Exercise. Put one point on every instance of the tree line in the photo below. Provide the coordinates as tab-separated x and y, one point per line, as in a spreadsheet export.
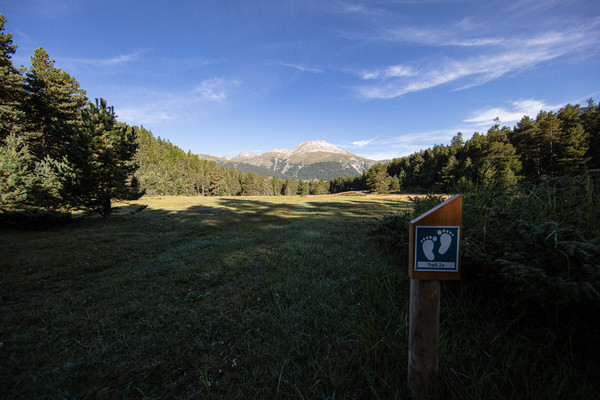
553	144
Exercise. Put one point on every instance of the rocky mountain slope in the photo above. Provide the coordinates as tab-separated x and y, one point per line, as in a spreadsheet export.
309	160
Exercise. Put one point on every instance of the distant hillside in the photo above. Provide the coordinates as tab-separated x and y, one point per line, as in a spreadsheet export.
309	160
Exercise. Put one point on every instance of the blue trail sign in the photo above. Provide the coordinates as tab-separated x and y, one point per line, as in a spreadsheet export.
436	248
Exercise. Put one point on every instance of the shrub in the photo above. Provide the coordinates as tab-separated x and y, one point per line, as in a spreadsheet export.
35	219
536	246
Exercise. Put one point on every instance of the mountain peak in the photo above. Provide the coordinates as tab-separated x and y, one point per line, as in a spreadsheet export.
246	154
315	159
317	145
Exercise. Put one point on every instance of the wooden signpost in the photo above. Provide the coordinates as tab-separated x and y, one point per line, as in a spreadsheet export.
434	254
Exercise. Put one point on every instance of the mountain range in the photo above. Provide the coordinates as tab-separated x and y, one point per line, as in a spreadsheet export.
307	161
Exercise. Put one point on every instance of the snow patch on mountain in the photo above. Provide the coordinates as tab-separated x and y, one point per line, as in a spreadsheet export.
245	154
316	146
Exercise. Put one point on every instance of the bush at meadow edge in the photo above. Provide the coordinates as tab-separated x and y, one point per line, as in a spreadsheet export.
535	247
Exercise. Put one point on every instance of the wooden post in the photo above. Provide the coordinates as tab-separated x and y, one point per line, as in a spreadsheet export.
424	338
434	254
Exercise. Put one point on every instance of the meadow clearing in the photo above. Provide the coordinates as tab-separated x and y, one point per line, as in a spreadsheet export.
192	297
240	297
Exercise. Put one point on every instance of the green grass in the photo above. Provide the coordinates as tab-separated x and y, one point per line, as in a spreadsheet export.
263	297
192	297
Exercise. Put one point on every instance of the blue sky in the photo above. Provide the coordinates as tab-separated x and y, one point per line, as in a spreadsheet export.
380	78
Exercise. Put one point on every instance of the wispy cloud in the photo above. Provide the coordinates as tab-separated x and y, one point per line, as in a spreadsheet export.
109	61
166	107
394	71
363	143
402	145
345	7
431	137
511	115
302	68
480	120
504	57
214	89
532	5
146	114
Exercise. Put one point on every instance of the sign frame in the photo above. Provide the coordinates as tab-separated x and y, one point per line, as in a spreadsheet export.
446	214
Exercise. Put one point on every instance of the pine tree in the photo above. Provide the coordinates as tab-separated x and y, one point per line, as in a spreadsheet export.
573	149
491	157
251	185
12	96
318	187
591	124
302	188
50	180
16	176
449	172
378	180
548	134
290	187
526	140
54	106
103	153
395	183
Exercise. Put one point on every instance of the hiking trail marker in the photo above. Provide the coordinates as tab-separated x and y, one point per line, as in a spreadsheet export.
434	254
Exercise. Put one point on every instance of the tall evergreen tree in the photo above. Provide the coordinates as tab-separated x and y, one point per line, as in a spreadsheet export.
591	125
12	96
54	106
290	187
492	157
549	133
302	188
15	172
50	180
525	139
378	180
573	149
103	153
318	187
395	183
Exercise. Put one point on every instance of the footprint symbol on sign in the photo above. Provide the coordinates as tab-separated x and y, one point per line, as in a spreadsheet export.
427	244
445	240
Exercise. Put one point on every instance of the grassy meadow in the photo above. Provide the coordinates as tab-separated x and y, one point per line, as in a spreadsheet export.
243	297
194	297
